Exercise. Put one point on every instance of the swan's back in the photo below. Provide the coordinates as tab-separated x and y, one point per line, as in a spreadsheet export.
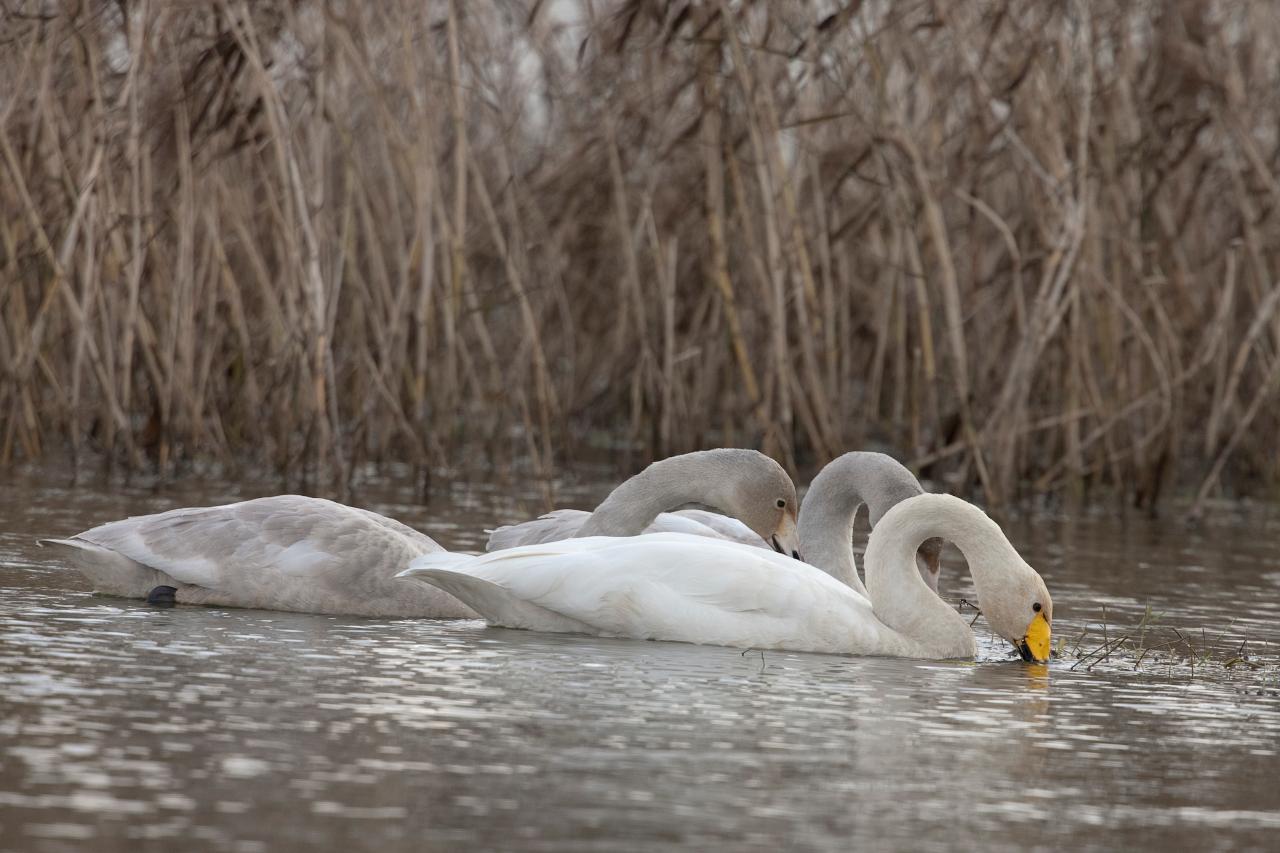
563	524
552	527
725	526
285	552
667	586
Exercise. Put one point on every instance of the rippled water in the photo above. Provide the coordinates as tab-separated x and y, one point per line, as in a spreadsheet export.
124	727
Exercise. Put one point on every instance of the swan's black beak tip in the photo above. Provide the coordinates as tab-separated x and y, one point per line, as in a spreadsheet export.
1024	651
777	546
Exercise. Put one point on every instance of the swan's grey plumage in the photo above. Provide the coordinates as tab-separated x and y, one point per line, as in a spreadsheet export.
651	501
565	524
312	555
831	506
826	518
286	552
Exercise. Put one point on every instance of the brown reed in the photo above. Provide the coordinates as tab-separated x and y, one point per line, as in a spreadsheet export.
1030	247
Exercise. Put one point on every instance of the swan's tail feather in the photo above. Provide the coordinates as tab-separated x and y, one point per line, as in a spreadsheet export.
451	560
109	571
497	606
66	543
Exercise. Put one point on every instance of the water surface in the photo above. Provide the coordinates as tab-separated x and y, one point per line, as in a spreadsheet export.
124	727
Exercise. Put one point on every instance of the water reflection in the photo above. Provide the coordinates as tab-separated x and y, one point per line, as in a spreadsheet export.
124	725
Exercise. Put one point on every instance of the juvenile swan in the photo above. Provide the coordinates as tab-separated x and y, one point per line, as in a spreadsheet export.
315	556
670	586
286	552
646	503
565	524
825	526
831	506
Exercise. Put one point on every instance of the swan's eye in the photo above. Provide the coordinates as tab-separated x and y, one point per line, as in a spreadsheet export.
1036	607
781	503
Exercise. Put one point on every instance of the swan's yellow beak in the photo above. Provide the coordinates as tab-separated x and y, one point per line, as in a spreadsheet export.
1036	642
786	539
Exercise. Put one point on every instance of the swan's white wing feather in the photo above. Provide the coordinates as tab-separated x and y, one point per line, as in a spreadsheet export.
678	587
676	522
726	526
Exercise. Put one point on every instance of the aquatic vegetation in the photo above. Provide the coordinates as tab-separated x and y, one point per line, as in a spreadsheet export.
1024	243
1222	653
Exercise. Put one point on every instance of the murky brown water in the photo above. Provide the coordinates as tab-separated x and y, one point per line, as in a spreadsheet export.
124	727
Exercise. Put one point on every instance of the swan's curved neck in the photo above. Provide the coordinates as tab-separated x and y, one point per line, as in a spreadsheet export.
694	478
900	597
831	506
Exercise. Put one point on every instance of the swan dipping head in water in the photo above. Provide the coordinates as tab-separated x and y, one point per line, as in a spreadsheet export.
697	589
1012	595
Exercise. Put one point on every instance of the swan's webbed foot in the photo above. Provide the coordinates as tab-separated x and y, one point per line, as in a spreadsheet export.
162	596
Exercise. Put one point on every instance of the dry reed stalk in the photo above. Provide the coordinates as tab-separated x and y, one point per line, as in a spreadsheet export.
1030	246
765	133
713	167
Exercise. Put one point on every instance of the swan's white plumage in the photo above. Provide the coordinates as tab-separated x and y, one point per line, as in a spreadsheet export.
726	526
668	586
286	552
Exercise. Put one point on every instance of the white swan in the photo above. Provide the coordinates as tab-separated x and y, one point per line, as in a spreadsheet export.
290	552
669	586
826	518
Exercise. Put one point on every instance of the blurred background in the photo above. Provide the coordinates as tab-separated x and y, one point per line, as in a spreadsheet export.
1030	248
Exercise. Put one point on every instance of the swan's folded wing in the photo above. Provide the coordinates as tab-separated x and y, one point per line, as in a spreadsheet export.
555	526
562	524
402	531
724	526
678	587
678	522
289	534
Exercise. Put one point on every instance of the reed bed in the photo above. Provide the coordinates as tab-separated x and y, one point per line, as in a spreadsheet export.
1030	247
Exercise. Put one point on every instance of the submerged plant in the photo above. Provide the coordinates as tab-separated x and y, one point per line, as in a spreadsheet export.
1149	646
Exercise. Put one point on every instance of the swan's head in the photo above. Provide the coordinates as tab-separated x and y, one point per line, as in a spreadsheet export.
1020	610
772	515
762	496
